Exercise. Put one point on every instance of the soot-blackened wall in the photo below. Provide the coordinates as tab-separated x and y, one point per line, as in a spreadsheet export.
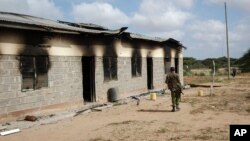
64	89
65	70
126	83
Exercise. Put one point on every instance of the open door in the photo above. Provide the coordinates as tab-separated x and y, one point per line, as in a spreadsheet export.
88	74
150	73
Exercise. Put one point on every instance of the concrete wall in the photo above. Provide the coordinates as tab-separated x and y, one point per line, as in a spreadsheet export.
64	91
158	73
65	73
65	83
127	84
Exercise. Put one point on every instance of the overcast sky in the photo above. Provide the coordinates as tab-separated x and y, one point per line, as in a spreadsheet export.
198	24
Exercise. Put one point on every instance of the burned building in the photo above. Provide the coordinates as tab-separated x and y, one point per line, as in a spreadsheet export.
50	65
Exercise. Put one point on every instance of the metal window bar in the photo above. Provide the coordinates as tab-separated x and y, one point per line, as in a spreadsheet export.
31	67
136	66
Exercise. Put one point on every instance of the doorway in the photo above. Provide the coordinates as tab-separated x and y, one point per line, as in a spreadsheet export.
176	63
150	73
88	81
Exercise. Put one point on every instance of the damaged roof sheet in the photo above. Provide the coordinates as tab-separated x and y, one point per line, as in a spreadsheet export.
144	37
84	25
155	39
36	22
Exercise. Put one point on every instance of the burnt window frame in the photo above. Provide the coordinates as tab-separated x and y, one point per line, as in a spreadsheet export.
34	72
136	66
110	68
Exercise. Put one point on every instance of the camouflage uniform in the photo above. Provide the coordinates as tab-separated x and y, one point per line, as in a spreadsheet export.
173	82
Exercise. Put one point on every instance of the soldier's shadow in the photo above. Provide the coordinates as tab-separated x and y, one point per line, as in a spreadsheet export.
152	110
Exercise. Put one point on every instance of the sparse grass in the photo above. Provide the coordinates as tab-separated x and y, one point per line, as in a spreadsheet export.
122	123
207	79
99	139
197	111
210	133
192	101
204	134
202	137
162	130
206	130
243	82
248	110
197	79
169	123
226	103
175	138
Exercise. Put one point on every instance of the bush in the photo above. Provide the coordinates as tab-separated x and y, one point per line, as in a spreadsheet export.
244	62
202	74
188	73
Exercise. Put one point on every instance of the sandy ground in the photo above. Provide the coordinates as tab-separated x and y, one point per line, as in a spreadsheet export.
200	118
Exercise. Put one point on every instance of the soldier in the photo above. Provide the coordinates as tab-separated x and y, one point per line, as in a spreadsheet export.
174	85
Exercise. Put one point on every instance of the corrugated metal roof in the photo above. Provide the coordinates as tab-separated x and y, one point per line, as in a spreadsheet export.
46	23
155	39
92	26
144	37
15	20
85	25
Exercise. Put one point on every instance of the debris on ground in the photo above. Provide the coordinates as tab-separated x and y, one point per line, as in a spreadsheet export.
82	112
187	87
9	132
30	118
102	107
136	98
37	120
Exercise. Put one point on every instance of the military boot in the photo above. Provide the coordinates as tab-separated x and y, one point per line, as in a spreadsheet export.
173	109
178	108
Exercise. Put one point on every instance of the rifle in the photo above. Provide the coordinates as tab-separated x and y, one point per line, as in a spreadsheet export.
179	90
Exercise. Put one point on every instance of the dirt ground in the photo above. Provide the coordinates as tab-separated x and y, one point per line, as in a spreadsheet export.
200	118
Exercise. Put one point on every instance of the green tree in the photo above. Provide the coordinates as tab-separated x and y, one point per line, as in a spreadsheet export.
244	62
221	62
188	61
209	63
